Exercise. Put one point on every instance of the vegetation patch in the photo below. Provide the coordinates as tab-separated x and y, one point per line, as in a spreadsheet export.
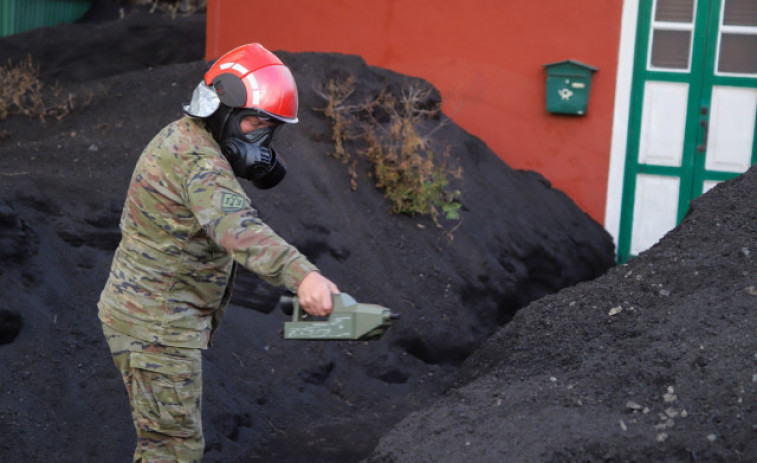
21	92
391	132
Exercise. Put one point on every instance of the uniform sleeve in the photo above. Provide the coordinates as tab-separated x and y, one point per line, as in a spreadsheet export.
226	214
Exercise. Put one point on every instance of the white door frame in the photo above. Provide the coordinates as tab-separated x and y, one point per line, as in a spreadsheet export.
619	139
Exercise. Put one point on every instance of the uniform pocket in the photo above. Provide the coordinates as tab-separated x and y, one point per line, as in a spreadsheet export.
166	392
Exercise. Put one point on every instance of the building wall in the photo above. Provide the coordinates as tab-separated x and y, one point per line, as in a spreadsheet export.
485	56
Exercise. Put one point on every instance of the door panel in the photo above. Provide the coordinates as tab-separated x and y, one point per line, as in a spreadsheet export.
674	11
731	132
656	206
709	184
670	48
663	123
737	54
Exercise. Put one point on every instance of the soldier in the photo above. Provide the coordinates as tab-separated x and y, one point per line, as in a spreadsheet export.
185	226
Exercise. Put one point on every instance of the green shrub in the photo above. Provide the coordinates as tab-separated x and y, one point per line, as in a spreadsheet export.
403	162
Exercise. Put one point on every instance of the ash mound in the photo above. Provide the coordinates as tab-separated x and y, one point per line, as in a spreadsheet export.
654	361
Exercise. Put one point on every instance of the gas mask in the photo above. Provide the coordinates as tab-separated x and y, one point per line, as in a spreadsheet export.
254	159
250	154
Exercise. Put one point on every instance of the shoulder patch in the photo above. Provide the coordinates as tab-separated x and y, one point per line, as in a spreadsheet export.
233	202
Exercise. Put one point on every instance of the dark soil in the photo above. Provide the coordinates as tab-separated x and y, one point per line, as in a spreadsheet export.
654	361
553	384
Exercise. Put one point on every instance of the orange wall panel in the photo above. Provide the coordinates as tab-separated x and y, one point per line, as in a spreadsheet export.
485	56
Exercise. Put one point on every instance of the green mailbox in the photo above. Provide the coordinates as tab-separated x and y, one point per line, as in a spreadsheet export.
568	85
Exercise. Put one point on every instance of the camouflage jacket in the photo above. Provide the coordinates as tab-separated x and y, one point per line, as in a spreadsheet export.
185	221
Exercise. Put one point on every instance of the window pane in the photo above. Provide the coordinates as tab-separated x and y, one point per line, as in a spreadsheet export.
738	54
740	13
670	49
675	10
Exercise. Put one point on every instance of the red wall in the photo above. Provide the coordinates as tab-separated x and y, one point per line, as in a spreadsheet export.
485	56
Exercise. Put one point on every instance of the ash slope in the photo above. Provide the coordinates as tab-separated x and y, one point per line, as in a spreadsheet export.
654	361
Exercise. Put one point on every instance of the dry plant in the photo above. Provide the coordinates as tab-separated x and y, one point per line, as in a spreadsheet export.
404	165
172	7
21	93
343	119
21	90
335	92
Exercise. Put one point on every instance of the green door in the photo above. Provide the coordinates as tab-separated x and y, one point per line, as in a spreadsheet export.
693	111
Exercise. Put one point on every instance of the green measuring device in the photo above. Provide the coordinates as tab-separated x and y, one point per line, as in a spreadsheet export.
349	320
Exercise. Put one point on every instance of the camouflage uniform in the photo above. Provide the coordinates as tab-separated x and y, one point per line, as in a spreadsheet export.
164	384
185	224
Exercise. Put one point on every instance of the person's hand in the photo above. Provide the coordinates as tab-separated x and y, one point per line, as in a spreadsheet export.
315	292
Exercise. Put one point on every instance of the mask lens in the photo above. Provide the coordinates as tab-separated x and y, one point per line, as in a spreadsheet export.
261	136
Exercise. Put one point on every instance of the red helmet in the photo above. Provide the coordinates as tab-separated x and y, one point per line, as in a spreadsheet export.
251	77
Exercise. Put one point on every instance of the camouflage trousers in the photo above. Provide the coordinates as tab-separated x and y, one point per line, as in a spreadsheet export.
165	388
